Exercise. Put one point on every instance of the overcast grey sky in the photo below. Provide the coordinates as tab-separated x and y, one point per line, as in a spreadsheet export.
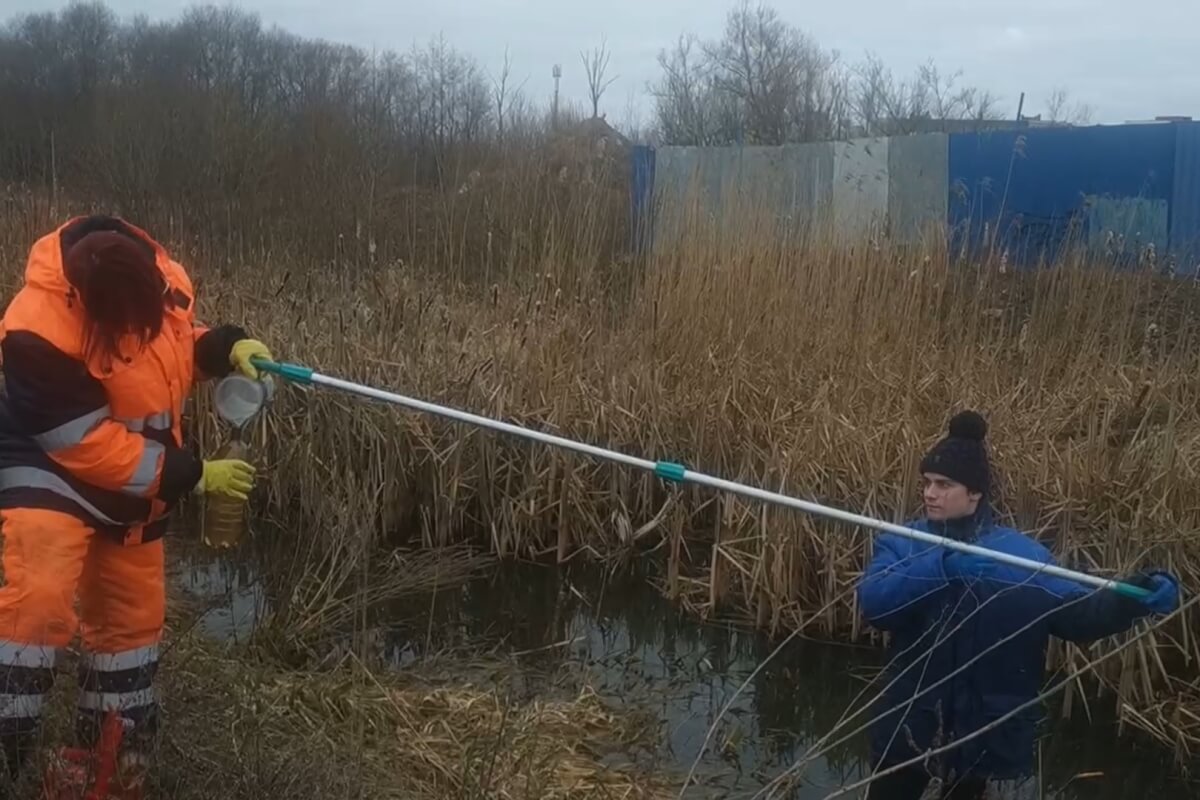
1128	59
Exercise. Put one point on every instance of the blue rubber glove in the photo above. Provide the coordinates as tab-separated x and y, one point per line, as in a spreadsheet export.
1164	588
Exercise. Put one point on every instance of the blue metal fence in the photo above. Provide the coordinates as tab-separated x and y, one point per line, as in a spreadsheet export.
1026	193
1185	201
641	187
1122	190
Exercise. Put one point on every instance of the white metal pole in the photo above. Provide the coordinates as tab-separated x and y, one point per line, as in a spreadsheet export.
676	472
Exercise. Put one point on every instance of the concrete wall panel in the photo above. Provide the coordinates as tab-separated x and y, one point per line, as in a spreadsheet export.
860	187
792	183
918	170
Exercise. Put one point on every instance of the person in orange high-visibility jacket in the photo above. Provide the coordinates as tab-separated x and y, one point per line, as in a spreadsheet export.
100	348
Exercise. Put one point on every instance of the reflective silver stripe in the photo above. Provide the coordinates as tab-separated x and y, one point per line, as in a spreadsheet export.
128	659
21	706
13	654
71	433
147	468
34	478
116	701
160	421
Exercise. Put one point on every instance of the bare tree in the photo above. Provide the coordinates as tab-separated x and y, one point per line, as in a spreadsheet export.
631	124
682	95
212	112
875	98
503	93
1059	108
928	101
949	101
767	82
773	82
595	66
757	63
819	108
454	102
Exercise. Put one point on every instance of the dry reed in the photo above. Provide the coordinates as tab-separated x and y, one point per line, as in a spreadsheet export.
240	725
238	729
797	363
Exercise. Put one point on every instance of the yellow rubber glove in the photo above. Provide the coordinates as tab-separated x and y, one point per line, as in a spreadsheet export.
229	477
243	351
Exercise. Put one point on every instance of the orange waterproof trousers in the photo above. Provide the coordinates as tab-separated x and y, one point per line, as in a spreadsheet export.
50	559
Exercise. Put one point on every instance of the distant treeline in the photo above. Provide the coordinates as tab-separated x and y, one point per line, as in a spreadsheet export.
215	115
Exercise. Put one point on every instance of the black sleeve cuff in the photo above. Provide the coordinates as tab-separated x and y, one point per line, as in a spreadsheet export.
45	387
181	471
214	347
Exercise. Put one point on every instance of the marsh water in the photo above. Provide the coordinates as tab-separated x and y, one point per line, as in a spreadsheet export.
623	638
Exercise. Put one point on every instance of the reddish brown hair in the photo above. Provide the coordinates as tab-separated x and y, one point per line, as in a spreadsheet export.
121	288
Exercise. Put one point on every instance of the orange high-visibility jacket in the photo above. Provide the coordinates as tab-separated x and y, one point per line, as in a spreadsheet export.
89	435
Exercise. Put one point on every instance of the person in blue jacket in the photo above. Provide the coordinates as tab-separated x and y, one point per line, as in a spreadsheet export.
969	634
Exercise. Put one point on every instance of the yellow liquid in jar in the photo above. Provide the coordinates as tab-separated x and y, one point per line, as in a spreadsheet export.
224	517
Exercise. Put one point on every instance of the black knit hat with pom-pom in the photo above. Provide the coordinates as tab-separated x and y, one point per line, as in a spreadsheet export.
962	455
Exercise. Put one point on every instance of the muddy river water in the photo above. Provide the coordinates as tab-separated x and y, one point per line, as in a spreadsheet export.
638	651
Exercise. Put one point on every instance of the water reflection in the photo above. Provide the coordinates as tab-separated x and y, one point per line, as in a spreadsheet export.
621	636
637	650
233	597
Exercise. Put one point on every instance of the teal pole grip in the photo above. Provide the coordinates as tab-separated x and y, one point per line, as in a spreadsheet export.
291	372
1135	592
670	471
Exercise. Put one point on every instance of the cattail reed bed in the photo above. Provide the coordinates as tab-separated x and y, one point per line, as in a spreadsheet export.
352	731
800	365
241	724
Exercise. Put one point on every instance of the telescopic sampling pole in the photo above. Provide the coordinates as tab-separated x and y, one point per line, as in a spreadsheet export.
677	473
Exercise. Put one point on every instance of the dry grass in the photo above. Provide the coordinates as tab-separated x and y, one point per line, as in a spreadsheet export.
799	365
237	724
239	721
242	728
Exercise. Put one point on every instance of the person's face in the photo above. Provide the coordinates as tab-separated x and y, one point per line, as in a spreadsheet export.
946	499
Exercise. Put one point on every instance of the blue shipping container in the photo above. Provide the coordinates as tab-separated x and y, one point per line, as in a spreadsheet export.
1027	192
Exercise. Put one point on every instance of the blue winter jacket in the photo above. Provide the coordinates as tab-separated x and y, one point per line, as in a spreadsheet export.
937	625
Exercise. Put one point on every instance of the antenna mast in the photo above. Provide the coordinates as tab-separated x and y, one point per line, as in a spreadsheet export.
557	73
